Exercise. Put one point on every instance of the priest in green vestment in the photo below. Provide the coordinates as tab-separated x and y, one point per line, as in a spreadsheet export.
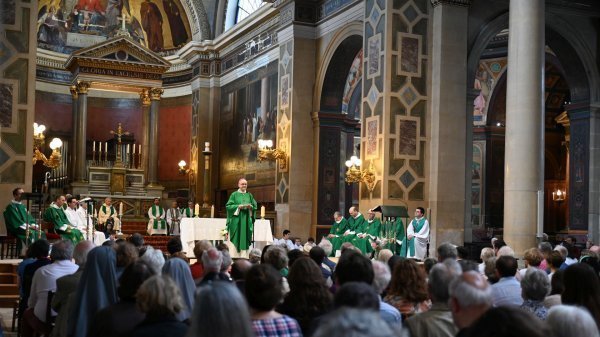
157	225
356	223
368	234
56	215
16	218
188	212
337	230
241	208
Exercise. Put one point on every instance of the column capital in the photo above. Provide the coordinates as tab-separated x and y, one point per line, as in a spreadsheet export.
73	90
459	3
82	87
155	93
145	97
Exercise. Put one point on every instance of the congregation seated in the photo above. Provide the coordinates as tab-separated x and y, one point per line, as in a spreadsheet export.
197	268
535	285
179	271
212	261
408	289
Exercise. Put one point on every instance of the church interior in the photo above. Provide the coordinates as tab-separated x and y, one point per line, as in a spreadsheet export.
483	116
318	104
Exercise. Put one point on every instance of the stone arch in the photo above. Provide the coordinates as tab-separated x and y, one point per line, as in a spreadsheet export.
352	31
196	13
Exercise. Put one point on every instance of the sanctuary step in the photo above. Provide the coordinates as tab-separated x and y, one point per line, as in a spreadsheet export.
140	226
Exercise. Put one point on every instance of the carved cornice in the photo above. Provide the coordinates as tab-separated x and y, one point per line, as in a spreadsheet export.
155	94
82	87
460	3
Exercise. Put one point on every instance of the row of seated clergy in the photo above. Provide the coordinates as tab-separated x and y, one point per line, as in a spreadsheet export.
366	234
167	222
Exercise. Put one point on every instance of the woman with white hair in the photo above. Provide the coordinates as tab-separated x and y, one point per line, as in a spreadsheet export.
534	288
568	320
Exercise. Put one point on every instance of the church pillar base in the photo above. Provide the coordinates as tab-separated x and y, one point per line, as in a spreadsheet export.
154	190
79	188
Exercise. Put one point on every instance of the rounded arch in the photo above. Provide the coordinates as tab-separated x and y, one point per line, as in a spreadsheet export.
350	30
196	13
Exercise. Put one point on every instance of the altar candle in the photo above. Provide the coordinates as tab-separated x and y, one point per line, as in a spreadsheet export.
197	209
133	146
212	211
94	146
262	212
206	146
140	149
127	148
106	147
121	209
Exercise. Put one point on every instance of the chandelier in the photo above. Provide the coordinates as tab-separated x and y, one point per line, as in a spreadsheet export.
38	142
266	151
355	174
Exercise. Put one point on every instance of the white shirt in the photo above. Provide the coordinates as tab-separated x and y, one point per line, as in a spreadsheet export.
288	243
44	280
74	218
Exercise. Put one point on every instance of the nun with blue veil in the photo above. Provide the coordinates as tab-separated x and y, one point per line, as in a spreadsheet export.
178	270
97	289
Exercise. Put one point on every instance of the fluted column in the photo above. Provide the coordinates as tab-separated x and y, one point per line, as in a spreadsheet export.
524	154
74	140
145	100
155	94
81	131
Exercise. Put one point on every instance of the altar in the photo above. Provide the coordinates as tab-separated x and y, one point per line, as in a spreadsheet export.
193	229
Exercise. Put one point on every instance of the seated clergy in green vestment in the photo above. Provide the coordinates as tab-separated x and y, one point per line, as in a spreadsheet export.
356	223
337	230
368	234
16	218
157	225
56	215
241	208
392	236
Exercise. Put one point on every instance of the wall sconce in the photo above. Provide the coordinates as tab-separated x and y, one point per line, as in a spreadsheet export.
355	174
38	142
182	168
559	195
267	152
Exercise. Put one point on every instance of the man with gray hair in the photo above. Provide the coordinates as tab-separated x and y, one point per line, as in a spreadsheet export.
470	297
437	321
381	279
446	251
328	248
67	285
212	260
44	280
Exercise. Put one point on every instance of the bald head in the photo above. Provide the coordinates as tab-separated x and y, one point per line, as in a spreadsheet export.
595	249
239	269
81	251
353	211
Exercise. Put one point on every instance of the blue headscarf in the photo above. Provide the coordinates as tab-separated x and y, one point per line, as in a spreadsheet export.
181	273
97	290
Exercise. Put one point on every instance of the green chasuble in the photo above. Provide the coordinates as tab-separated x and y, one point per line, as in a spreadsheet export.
400	236
355	225
56	215
338	230
240	224
15	217
158	213
372	229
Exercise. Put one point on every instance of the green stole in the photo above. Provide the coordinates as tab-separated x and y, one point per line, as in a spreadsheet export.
161	212
112	210
188	212
417	226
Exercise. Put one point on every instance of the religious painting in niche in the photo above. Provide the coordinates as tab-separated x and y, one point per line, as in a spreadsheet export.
486	79
410	50
67	25
408	137
371	150
374	45
247	115
352	84
285	93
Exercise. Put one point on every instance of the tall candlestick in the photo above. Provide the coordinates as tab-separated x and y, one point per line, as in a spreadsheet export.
262	212
212	211
94	146
133	148
106	147
127	148
197	209
121	209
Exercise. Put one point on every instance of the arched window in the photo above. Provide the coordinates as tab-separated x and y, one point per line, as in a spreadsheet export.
238	10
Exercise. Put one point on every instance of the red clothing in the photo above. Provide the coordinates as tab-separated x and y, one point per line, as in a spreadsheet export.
197	271
89	5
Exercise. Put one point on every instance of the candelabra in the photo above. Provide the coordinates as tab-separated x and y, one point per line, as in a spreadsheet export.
355	174
266	151
38	142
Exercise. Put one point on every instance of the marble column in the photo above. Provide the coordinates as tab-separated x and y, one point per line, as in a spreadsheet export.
524	154
264	98
152	150
145	100
81	131
448	160
74	140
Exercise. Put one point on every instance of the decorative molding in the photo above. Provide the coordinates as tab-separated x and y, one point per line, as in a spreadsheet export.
459	3
145	97
155	94
82	87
